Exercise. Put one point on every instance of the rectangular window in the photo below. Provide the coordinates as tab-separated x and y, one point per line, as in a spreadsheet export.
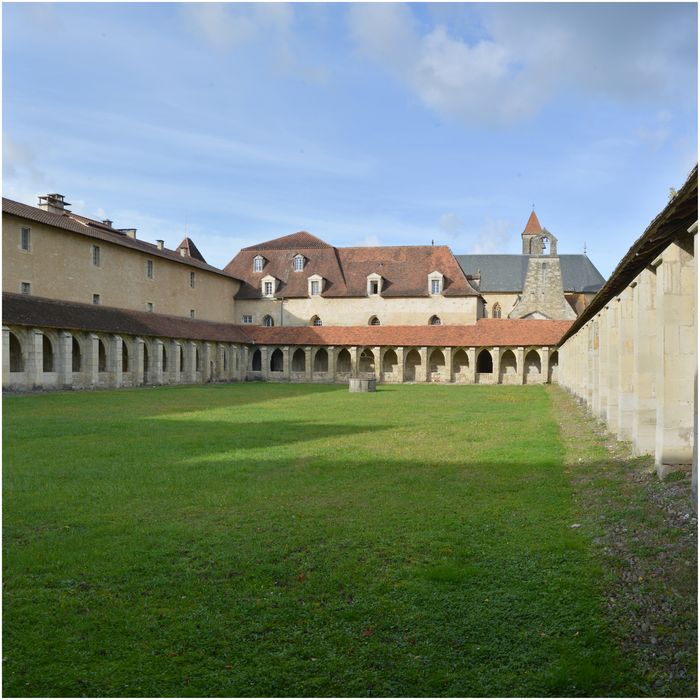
298	263
95	298
268	289
25	287
315	287
96	255
24	238
374	287
149	306
257	265
435	286
192	280
149	269
247	318
191	313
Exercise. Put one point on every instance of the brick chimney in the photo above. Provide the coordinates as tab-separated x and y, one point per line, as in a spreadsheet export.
160	244
53	203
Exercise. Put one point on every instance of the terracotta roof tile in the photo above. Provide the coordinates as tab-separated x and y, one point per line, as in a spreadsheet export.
301	240
190	249
533	224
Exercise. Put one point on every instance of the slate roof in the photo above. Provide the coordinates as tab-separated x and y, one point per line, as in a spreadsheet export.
69	221
404	269
24	310
506	273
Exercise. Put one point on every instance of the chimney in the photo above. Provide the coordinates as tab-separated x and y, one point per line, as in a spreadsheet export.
183	252
160	244
107	222
130	232
53	203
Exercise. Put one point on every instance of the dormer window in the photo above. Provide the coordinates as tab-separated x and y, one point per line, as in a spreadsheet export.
298	263
435	282
269	285
315	285
374	284
258	262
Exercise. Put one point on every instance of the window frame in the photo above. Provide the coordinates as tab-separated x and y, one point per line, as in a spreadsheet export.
25	288
25	231
96	254
193	280
96	299
258	263
298	263
192	313
150	270
150	306
247	318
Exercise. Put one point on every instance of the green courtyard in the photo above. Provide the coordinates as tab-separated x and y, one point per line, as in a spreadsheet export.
260	539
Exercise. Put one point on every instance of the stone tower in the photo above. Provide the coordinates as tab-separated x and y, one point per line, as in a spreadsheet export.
543	291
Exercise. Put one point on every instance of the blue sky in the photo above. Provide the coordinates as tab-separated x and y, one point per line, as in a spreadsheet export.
364	124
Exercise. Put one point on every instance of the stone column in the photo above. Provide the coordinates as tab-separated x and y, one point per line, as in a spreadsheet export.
5	357
207	374
64	360
175	377
400	358
447	352
625	354
603	337
190	362
377	351
286	363
496	355
612	350
354	361
676	356
331	363
138	372
471	370
264	362
244	361
114	361
545	352
157	373
423	352
520	360
308	365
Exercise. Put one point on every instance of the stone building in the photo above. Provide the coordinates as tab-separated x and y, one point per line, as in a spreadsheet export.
631	356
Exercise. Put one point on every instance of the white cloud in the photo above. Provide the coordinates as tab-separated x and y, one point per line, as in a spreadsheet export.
450	223
531	53
20	160
493	237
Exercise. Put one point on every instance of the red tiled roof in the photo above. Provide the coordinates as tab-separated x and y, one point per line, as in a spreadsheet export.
404	269
190	249
69	221
533	224
486	332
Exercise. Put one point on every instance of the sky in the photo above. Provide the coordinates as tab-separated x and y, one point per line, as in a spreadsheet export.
364	124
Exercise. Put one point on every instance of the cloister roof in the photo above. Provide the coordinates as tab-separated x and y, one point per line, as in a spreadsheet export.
24	310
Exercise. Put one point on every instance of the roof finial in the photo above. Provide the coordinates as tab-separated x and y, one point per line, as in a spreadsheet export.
533	206
432	242
584	247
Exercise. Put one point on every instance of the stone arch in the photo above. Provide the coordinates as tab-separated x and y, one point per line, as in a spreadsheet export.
48	359
315	321
125	356
268	320
390	362
256	361
197	359
460	365
343	363
374	321
321	360
434	321
412	363
496	310
533	366
146	362
509	367
299	360
16	354
436	365
484	362
181	352
553	367
164	357
76	355
277	361
224	359
367	362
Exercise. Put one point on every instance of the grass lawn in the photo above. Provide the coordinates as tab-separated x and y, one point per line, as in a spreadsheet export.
260	539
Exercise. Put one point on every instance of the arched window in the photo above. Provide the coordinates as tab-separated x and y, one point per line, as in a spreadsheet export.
76	360
389	362
298	263
16	358
197	360
258	263
435	321
484	362
412	364
533	364
182	358
343	363
225	360
509	365
101	356
299	361
367	361
256	363
277	361
374	321
316	321
436	362
164	357
125	357
321	361
460	362
47	354
553	366
496	311
145	360
268	321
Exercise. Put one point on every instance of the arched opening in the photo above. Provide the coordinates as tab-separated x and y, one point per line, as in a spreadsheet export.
390	362
181	352
436	363
268	321
76	355
315	321
374	321
553	366
533	366
16	357
509	367
435	321
164	357
125	357
101	356
343	363
277	361
197	360
146	363
460	364
256	361
484	362
299	361
224	359
321	361
367	362
496	312
412	365
47	354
